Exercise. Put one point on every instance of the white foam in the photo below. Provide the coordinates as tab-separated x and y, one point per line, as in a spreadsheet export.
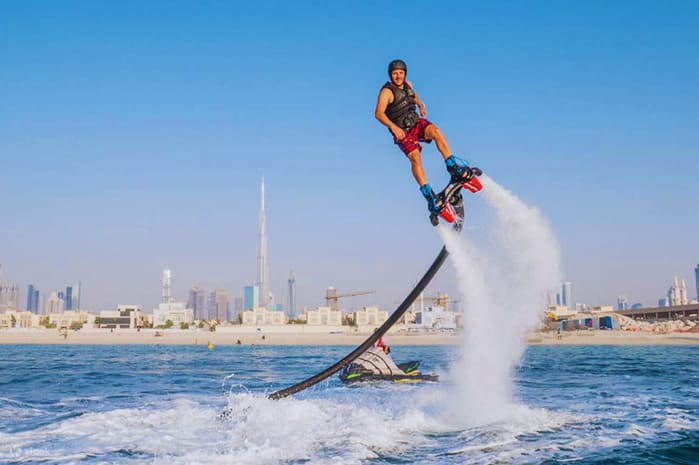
345	426
504	295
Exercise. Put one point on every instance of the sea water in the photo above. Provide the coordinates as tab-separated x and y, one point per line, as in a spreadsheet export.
162	404
498	402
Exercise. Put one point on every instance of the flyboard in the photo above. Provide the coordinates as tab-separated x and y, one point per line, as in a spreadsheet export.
453	212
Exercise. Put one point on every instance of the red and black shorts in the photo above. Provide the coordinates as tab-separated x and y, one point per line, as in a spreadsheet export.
413	137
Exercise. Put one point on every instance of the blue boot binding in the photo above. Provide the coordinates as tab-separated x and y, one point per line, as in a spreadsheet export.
432	200
458	168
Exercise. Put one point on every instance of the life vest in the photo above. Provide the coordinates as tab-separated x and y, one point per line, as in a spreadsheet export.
402	110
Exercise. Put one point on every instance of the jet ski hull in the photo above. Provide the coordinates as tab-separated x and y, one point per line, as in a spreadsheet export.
357	377
408	373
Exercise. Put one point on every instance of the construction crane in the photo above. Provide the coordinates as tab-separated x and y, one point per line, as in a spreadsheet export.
441	300
331	296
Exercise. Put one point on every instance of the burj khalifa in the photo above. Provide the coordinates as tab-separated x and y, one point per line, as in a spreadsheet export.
262	253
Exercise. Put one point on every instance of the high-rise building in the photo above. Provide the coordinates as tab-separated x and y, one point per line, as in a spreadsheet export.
622	303
291	303
567	295
252	297
167	283
30	297
196	302
218	305
237	308
677	294
672	292
696	278
54	304
262	251
76	297
9	297
69	298
683	293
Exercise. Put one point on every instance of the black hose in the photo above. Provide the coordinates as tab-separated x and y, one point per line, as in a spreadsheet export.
397	314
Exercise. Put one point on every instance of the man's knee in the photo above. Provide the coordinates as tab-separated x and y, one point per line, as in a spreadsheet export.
433	132
414	157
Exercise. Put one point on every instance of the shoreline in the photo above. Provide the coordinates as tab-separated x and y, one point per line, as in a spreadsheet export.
277	337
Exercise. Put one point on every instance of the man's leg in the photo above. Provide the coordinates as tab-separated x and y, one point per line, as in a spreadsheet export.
418	170
432	132
456	166
433	203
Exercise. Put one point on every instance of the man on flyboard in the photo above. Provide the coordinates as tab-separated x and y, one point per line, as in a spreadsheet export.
396	109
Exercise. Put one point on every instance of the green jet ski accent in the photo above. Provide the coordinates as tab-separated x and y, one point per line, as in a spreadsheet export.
375	365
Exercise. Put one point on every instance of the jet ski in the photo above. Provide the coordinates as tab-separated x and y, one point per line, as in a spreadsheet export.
375	365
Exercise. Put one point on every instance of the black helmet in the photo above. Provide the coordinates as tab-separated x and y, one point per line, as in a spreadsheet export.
397	64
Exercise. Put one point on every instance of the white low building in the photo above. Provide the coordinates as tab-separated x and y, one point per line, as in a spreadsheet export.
124	317
370	316
19	319
324	316
177	312
435	318
602	309
557	312
262	316
67	318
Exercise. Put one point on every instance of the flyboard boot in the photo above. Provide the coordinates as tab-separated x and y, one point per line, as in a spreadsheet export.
437	206
460	171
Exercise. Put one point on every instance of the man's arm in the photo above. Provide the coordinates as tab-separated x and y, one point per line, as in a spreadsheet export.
420	105
385	98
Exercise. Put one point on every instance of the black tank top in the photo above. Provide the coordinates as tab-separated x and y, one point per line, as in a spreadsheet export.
402	111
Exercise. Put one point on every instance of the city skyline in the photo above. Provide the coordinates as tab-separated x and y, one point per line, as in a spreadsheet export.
200	301
161	131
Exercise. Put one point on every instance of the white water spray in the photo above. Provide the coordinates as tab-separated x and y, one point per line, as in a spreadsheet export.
504	295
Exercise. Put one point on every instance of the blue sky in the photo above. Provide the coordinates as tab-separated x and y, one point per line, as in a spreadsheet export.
133	137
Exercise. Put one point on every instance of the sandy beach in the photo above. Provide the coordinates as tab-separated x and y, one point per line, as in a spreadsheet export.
613	338
294	336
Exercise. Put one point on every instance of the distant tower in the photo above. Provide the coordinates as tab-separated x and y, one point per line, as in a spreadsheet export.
683	293
622	303
291	304
76	297
69	298
167	278
237	307
3	295
30	297
675	294
696	278
252	297
218	305
262	252
54	304
196	301
14	296
670	294
567	296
